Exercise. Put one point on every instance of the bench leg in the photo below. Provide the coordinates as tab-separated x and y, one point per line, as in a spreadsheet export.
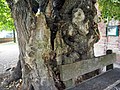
109	67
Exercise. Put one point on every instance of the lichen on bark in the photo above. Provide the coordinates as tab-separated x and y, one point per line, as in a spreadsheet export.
51	37
78	29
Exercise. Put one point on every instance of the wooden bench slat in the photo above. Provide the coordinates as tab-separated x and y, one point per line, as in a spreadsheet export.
73	70
105	81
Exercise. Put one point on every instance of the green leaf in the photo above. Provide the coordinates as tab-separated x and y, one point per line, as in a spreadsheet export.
6	22
110	9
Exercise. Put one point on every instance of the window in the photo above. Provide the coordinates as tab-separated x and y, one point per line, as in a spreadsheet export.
112	31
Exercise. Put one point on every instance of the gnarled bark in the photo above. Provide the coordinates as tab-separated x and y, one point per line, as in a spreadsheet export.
56	35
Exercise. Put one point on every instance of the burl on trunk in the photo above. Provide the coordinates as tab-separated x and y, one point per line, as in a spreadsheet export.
51	33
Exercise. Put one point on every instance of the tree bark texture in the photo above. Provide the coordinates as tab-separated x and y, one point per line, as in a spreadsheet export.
52	36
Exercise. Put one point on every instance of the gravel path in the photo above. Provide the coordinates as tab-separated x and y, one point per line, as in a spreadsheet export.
8	55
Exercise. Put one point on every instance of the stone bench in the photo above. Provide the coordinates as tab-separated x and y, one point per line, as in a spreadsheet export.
69	72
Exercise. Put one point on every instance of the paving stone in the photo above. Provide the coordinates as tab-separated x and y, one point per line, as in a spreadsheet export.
9	53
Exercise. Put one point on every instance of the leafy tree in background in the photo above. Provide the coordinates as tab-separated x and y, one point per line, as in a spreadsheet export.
6	22
110	9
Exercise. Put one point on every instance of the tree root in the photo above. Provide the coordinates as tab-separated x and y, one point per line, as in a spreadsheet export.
12	79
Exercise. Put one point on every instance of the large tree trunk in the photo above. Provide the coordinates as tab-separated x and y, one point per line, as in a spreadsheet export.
56	35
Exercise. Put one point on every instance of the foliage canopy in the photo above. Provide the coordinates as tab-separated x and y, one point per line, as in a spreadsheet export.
6	21
110	9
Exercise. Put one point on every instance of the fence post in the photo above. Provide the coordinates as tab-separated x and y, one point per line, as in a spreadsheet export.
14	36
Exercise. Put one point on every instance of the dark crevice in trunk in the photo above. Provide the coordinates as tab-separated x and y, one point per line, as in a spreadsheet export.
53	24
53	30
39	5
42	5
56	17
56	72
35	6
52	62
31	87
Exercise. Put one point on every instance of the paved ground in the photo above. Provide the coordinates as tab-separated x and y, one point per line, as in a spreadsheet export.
8	55
101	82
